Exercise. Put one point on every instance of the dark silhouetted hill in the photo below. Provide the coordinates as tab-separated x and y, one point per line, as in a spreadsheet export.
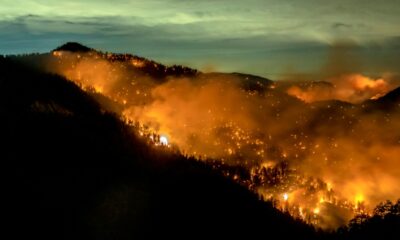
383	224
393	97
389	102
75	171
247	82
73	47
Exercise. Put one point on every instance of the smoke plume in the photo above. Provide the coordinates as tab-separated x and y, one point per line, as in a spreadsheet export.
351	145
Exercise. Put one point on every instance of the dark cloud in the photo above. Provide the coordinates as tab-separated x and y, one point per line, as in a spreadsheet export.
339	25
198	41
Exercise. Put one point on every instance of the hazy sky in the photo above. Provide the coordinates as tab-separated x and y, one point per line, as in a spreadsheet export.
265	37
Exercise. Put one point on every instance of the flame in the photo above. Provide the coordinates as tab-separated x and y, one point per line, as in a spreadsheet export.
57	53
164	140
285	197
138	63
98	88
342	158
316	210
359	198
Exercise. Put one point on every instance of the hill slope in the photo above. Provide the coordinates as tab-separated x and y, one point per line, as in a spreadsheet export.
73	167
77	169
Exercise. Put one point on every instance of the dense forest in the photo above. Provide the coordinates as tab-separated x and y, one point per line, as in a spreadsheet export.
75	170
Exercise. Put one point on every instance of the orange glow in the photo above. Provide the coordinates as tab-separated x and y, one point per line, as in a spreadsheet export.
320	154
285	196
359	198
164	140
57	53
98	88
316	211
138	63
361	82
353	88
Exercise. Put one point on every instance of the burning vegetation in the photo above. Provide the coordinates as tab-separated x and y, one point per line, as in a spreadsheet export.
323	151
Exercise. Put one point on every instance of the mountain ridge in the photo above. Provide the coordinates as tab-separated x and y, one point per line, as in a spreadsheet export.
74	167
183	71
88	174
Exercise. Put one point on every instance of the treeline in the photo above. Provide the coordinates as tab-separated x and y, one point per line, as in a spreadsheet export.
75	171
383	224
149	67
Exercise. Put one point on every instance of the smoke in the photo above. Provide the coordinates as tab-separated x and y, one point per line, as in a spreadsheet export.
354	148
342	79
210	117
117	79
353	88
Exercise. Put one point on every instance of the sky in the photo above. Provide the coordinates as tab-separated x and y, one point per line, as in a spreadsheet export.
270	38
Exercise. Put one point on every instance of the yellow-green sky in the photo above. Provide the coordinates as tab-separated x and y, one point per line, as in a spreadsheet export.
264	37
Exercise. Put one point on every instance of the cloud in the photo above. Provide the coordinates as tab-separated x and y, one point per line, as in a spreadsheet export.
339	25
222	18
253	36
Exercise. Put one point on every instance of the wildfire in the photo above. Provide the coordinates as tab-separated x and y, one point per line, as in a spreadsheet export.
164	140
98	88
316	211
57	53
285	197
138	63
359	203
353	88
276	146
359	198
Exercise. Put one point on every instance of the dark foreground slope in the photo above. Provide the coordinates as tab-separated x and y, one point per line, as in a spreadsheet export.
74	171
